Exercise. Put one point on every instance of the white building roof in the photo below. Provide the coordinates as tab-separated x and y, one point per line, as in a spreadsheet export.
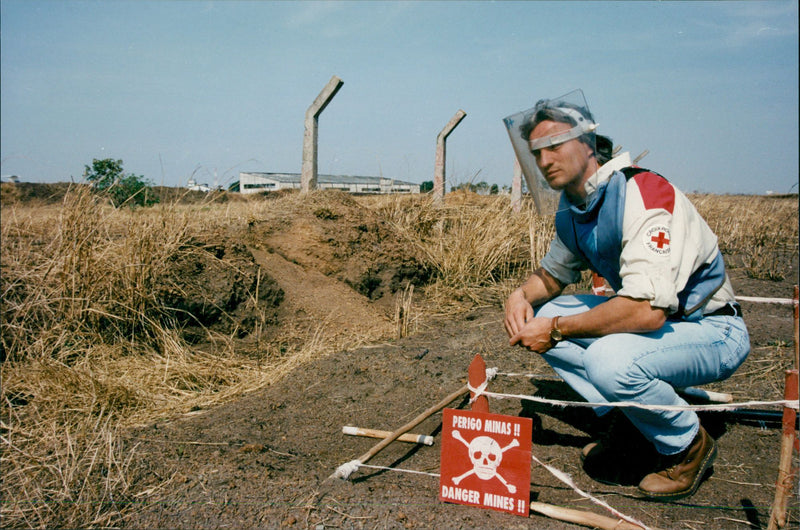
294	178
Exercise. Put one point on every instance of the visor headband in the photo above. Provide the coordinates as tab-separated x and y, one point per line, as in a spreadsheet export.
584	126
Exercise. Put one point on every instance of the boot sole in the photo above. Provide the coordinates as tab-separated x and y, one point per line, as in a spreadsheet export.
708	461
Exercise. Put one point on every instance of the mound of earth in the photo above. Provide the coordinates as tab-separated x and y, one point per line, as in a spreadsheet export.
216	285
333	234
330	261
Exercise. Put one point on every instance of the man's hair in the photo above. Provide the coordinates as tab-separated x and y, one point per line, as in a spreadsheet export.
603	149
548	111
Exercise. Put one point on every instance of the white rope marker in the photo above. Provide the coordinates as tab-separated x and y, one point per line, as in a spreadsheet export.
691	391
566	479
490	374
629	404
762	300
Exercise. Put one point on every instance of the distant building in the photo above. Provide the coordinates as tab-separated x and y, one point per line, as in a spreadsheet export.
194	186
260	182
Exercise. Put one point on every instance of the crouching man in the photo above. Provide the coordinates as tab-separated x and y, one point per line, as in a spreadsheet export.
673	321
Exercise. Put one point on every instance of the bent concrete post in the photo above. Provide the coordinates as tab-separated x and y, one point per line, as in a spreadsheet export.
308	176
439	169
516	187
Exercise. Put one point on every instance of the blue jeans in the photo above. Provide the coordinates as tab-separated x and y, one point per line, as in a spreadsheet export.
648	367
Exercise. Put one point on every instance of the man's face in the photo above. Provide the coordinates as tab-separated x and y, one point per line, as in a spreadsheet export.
565	165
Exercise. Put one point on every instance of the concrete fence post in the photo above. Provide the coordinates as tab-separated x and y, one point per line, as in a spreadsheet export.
308	176
516	187
439	168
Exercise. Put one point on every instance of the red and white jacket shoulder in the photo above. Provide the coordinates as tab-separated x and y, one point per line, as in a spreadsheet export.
664	240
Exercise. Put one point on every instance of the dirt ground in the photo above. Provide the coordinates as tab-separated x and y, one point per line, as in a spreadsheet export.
264	460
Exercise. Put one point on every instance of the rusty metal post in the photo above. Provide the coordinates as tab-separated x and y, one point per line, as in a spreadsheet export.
516	187
308	176
439	169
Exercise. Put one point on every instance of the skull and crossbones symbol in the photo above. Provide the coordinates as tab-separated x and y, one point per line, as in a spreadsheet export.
486	455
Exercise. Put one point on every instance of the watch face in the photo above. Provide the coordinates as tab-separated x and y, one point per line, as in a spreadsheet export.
555	334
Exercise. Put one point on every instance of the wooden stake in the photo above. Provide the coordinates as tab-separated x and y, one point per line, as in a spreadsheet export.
786	475
375	433
789	439
796	328
707	395
583	517
341	472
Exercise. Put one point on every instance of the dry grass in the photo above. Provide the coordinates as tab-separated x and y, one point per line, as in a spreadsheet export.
474	244
759	234
404	317
89	351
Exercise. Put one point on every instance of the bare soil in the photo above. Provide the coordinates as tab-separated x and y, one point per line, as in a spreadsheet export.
263	461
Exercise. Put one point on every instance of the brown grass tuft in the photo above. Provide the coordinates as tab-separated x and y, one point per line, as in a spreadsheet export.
759	234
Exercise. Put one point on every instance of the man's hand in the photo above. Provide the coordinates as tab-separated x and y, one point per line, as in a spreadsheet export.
518	312
534	335
523	328
521	325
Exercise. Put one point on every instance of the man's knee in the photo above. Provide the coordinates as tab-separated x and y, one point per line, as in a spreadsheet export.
603	373
568	305
614	375
548	310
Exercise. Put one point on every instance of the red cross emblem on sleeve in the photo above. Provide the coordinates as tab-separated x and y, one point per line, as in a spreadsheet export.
660	240
657	240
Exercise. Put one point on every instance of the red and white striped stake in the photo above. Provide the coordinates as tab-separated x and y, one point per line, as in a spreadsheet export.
598	284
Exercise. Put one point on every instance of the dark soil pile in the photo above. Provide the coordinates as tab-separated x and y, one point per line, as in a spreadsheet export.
208	288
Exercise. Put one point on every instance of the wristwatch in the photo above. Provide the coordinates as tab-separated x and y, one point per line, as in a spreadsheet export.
555	332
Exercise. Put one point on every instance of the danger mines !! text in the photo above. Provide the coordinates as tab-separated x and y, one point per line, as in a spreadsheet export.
474	497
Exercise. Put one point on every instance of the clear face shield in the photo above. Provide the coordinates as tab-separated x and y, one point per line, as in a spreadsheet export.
568	119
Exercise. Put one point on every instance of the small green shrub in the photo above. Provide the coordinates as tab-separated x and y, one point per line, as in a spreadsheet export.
108	178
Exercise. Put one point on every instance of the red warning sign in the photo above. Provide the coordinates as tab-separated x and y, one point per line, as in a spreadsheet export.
486	460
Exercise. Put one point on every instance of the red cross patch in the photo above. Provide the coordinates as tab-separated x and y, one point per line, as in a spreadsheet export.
657	240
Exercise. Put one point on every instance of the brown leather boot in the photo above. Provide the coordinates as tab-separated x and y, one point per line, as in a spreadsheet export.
615	427
684	472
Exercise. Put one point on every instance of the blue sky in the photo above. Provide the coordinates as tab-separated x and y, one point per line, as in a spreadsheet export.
209	89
